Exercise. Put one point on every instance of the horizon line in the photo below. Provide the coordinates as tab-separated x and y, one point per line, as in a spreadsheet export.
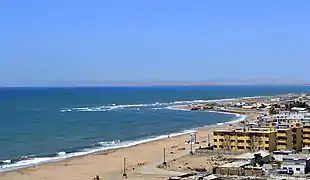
158	84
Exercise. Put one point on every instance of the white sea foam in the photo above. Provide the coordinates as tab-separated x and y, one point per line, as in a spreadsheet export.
7	161
61	153
168	105
106	146
176	109
158	108
124	106
7	166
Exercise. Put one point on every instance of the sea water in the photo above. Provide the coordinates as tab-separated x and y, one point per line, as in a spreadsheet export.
40	125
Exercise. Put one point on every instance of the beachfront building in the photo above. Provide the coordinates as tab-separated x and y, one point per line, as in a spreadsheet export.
297	138
306	135
243	140
287	121
284	139
288	137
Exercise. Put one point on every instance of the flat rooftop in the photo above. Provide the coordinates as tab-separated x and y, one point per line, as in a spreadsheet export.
296	157
247	131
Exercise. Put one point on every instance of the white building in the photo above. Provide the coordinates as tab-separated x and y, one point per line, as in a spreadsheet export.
275	99
278	155
298	109
299	163
307	116
248	107
305	150
286	116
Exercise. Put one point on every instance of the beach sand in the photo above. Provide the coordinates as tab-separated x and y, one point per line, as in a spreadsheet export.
141	161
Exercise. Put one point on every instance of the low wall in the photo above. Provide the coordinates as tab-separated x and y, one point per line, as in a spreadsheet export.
203	152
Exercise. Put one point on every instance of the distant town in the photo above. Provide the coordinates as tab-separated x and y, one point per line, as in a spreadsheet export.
273	142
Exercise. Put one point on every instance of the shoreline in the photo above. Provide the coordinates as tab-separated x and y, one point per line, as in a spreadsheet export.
120	146
92	164
35	160
34	171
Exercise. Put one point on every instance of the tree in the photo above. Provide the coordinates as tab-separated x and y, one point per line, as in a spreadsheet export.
286	107
258	159
272	110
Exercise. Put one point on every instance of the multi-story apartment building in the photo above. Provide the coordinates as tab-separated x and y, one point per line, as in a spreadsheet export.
297	138
245	140
289	136
284	139
306	135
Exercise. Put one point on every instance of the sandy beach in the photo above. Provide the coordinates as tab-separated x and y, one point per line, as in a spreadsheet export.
141	160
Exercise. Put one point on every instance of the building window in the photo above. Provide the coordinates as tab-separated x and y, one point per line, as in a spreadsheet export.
215	146
266	142
266	149
215	140
240	147
297	169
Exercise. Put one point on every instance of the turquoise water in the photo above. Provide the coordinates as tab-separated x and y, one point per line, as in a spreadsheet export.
55	122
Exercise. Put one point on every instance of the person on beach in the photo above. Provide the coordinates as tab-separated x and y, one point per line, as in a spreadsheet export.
96	177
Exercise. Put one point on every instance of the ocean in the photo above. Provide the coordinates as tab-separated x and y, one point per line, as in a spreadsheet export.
39	125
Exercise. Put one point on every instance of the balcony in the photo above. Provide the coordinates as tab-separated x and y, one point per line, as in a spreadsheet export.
306	129
218	137
306	136
233	143
241	143
281	147
281	141
243	138
281	134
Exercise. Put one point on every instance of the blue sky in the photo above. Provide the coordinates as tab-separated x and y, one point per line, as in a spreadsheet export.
52	41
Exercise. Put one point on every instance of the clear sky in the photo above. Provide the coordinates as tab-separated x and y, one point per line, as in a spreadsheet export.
53	41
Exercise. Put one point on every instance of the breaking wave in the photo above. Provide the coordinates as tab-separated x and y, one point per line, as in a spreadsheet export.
153	106
31	160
